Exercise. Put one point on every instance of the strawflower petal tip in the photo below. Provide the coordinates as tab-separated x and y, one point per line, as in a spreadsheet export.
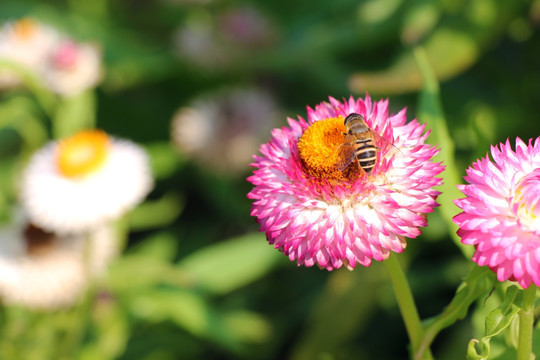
501	211
320	206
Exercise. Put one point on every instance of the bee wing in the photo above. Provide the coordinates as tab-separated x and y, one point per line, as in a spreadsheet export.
379	139
345	156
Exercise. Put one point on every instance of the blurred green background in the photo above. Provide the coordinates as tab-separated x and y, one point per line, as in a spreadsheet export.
197	280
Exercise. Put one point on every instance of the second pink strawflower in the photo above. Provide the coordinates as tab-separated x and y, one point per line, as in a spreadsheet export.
501	212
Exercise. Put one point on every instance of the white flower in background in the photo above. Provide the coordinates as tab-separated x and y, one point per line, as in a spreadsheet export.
65	66
41	270
25	42
78	183
246	26
218	41
72	68
222	130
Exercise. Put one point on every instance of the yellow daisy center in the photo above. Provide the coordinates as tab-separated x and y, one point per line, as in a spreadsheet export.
319	150
82	153
25	28
526	200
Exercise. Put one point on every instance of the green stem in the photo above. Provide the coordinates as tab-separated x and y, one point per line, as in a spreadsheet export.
526	320
431	112
407	307
44	97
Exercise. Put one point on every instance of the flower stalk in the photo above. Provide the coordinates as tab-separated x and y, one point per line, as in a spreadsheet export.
407	307
526	320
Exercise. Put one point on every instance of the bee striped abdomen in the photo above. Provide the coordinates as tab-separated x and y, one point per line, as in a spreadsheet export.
366	153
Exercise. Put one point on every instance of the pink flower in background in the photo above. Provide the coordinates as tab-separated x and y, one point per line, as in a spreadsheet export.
501	212
230	38
66	55
230	122
72	68
64	66
245	25
318	215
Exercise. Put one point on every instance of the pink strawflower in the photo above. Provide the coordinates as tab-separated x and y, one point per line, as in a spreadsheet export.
318	215
65	55
501	212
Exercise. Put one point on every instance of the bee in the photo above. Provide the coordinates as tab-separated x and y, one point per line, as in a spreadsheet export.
359	145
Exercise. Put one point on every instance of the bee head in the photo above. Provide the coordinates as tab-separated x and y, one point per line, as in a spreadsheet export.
353	117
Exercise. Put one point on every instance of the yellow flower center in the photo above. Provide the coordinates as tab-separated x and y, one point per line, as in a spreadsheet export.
319	150
526	200
25	28
82	153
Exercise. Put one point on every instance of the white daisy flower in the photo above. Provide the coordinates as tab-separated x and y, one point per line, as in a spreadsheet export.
72	68
41	270
81	182
25	42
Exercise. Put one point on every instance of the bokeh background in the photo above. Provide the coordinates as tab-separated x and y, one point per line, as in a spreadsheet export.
200	84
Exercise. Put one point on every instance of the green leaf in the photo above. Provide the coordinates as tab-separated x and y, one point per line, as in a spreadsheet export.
228	265
451	50
496	321
161	246
109	333
75	113
431	112
156	213
164	160
471	351
187	309
132	273
419	19
32	132
44	96
454	45
378	11
248	326
20	113
193	312
477	283
500	318
341	309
